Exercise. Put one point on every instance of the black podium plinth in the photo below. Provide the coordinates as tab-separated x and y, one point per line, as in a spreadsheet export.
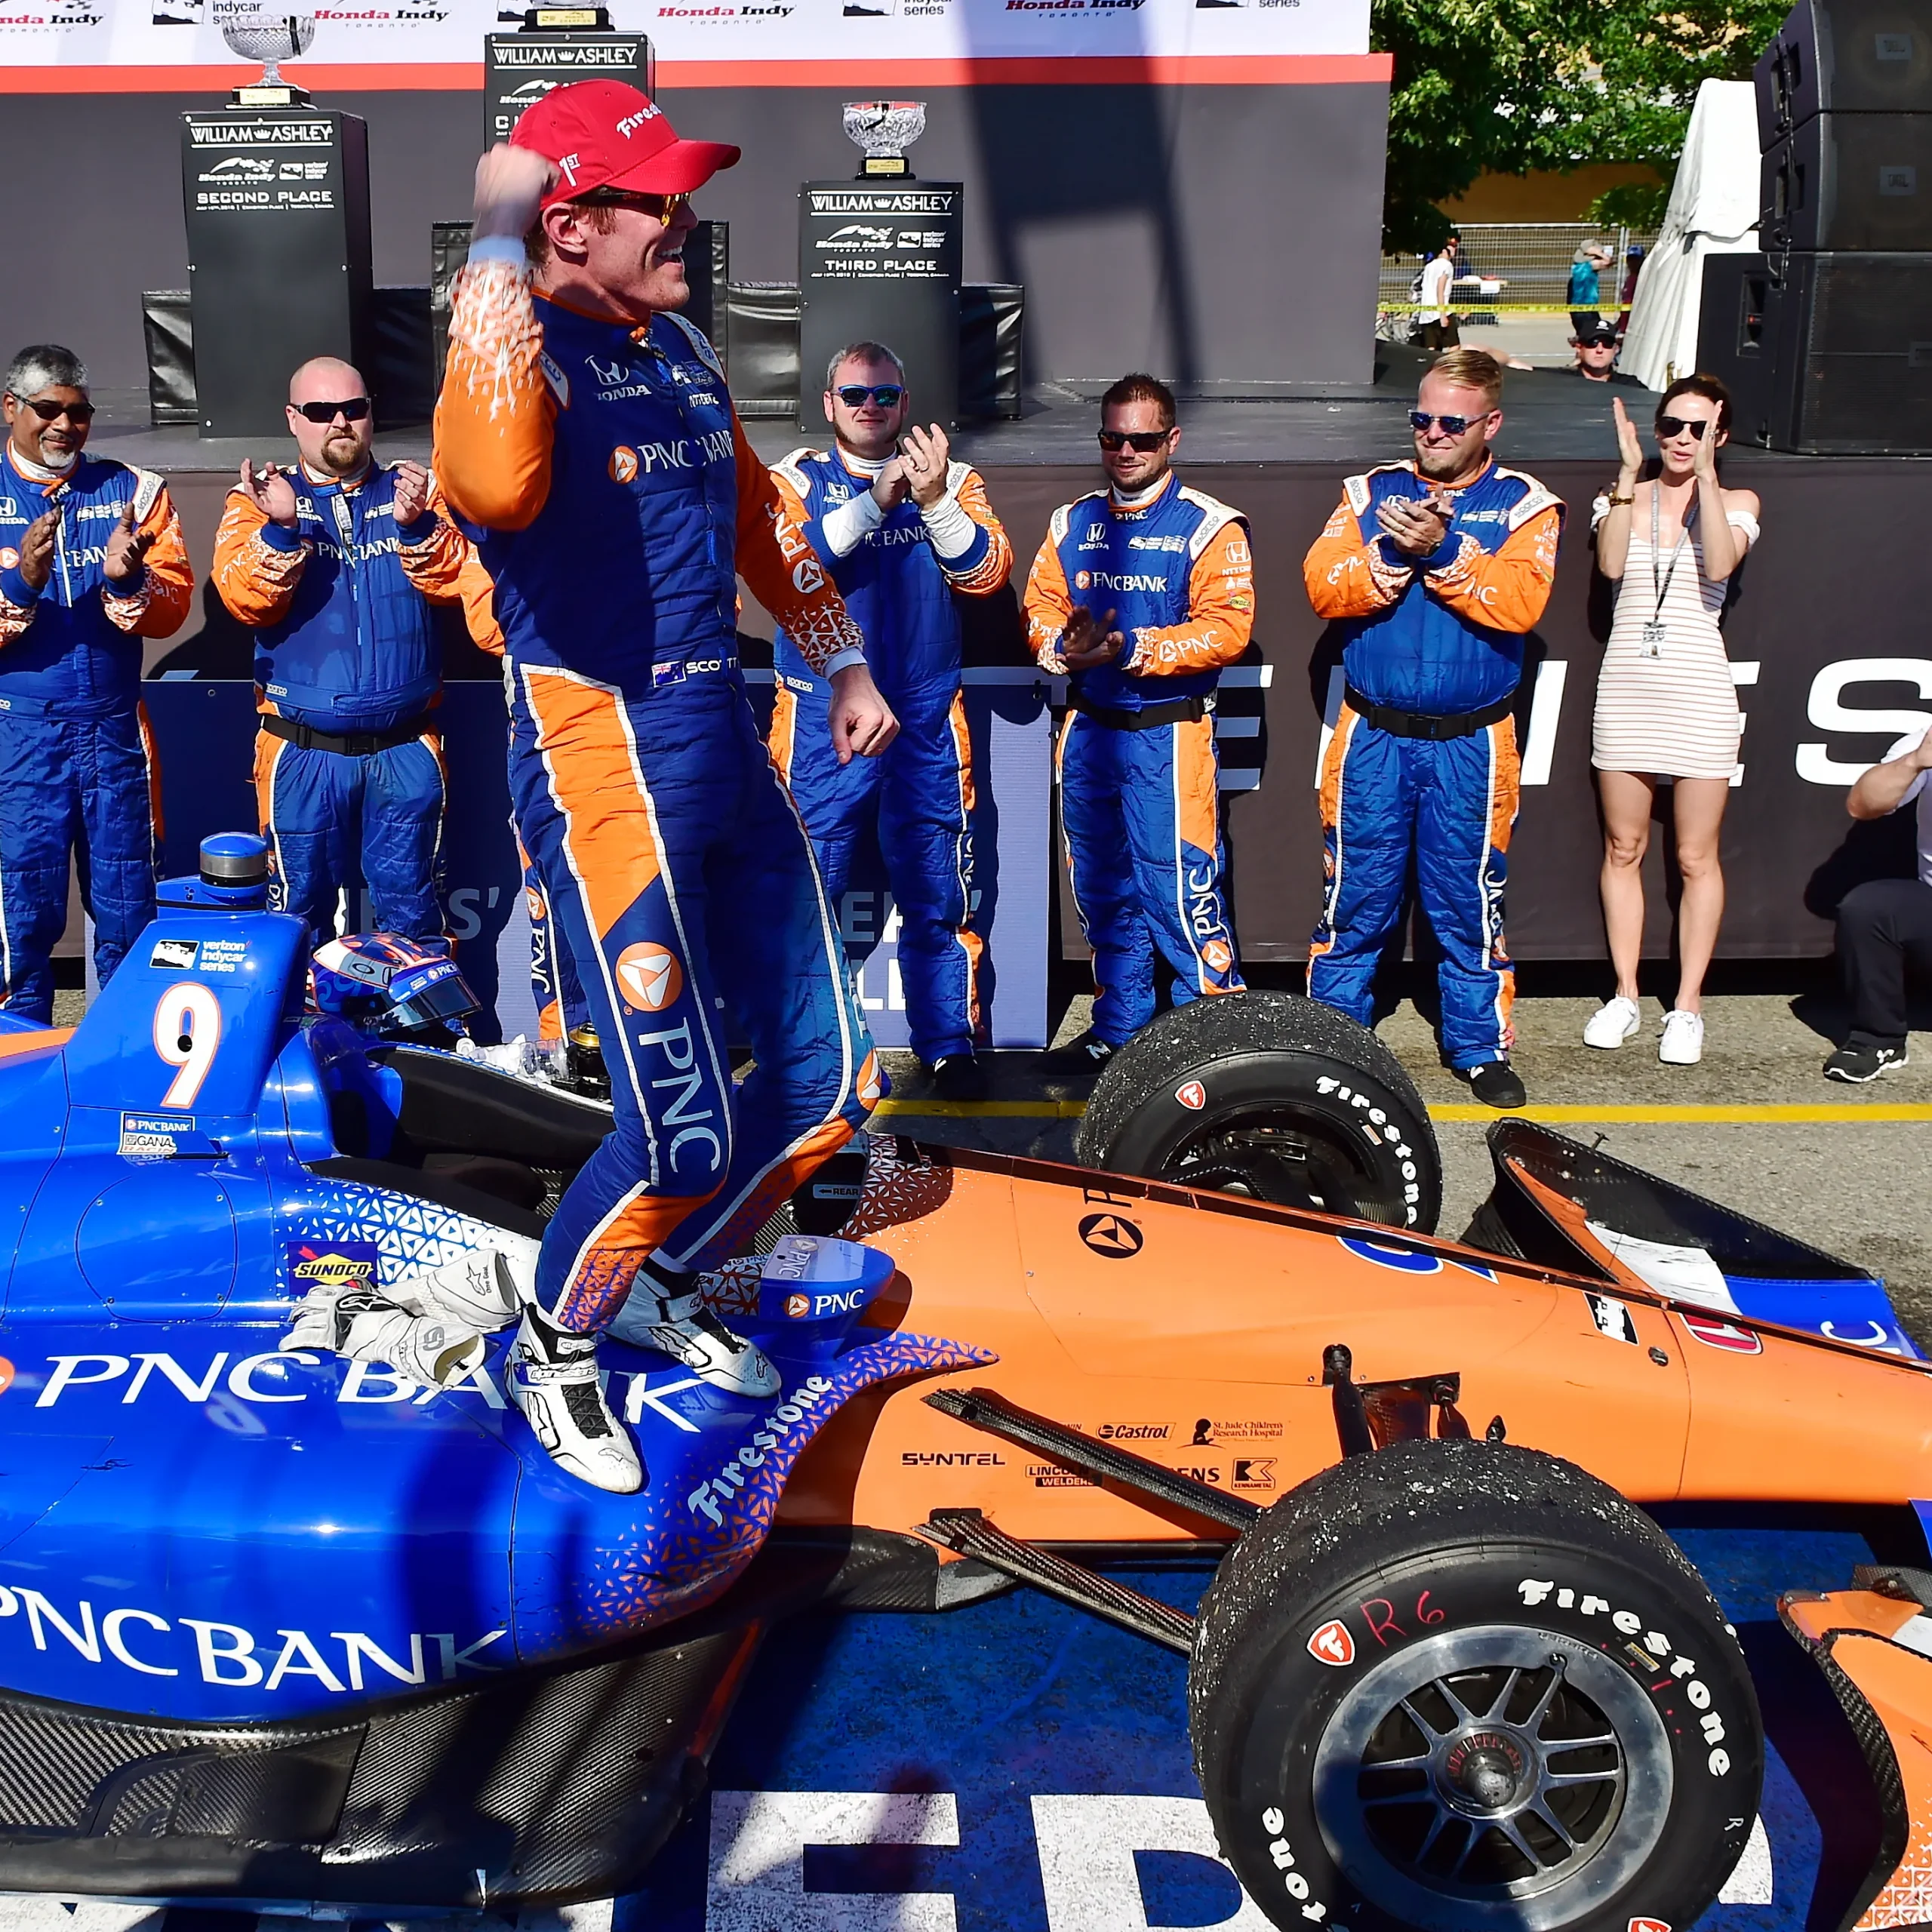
881	262
520	68
277	210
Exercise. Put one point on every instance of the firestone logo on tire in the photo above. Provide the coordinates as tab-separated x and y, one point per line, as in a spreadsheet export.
1332	1644
649	976
1192	1095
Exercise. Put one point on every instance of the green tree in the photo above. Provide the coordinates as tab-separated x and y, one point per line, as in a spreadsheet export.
1508	86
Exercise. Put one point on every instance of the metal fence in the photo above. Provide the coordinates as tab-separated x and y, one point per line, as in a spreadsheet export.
1531	260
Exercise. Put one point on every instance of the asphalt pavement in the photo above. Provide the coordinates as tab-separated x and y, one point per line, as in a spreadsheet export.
1848	1169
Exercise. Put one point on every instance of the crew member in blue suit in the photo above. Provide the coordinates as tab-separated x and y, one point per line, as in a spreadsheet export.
91	562
1436	568
903	529
333	567
1145	592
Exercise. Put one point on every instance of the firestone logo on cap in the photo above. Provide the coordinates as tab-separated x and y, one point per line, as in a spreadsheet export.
630	123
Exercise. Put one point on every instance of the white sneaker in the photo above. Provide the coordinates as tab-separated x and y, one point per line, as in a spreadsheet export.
551	1376
687	1331
1612	1023
485	1289
1683	1041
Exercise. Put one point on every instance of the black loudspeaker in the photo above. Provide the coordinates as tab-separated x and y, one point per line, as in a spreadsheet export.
880	261
520	68
764	332
1849	181
1826	354
278	214
1848	57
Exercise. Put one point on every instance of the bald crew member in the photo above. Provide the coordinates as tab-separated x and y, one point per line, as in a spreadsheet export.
334	565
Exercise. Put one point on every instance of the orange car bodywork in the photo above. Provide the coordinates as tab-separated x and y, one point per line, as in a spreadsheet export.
1191	1329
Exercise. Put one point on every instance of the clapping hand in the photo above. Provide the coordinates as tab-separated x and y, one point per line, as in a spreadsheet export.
1629	450
1415	526
271	492
1704	465
891	485
926	454
412	492
1087	641
127	549
37	549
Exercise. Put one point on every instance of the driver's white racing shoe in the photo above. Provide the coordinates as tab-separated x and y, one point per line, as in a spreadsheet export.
552	1378
682	1327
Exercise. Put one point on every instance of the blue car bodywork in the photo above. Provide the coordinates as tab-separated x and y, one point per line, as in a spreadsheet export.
275	1623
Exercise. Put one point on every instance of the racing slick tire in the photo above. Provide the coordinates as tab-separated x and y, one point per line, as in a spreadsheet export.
1268	1095
1398	1672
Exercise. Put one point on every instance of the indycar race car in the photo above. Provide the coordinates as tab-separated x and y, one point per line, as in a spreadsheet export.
278	1627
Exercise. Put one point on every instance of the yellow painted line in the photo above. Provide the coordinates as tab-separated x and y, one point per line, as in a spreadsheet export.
1769	1113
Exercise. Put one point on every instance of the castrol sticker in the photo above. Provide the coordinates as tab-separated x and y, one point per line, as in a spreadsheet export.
1192	1095
1332	1644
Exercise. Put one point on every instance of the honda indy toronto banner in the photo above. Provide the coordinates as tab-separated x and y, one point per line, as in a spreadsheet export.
115	44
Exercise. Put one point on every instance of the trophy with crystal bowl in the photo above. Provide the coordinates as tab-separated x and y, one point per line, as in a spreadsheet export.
270	38
885	129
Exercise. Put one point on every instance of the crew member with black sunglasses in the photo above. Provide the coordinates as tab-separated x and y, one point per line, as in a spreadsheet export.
91	562
1434	568
1143	592
333	564
904	529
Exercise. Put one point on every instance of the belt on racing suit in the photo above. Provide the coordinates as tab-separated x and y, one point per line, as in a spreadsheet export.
1420	724
1181	711
347	744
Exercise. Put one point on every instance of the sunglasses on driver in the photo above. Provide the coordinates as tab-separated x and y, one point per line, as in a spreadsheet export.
1668	426
659	207
351	409
856	395
1146	440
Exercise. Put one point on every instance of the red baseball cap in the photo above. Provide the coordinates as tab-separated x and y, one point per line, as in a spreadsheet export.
604	134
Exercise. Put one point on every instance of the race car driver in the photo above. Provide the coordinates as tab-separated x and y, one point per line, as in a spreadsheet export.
1436	568
585	432
331	567
92	561
1144	592
903	529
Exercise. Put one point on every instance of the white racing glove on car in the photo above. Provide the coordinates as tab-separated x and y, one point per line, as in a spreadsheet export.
358	1322
485	1289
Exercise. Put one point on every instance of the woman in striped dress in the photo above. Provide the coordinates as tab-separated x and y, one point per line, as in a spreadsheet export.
1666	705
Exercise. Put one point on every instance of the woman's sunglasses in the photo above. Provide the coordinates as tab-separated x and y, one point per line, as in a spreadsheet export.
1113	440
1668	426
